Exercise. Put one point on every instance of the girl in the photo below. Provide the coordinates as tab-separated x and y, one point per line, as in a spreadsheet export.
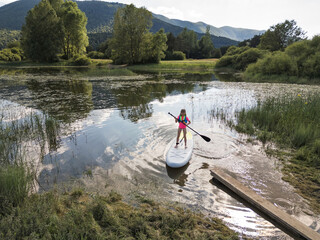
183	122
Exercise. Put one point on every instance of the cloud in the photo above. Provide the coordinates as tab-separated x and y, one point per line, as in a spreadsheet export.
170	12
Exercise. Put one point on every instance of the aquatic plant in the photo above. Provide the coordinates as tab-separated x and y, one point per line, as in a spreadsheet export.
291	122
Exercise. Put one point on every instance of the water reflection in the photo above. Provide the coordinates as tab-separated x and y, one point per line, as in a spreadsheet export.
178	174
67	101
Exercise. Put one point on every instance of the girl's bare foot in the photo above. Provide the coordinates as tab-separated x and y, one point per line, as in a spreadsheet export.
176	146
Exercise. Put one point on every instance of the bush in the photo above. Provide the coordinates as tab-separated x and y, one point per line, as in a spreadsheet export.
233	50
11	55
81	61
175	55
240	57
225	61
278	63
247	57
3	57
96	55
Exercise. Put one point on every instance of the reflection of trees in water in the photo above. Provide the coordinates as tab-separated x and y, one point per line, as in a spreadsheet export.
134	100
64	100
228	76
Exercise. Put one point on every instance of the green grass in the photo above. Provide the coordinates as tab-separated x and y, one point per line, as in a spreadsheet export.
78	215
292	122
178	65
15	184
250	77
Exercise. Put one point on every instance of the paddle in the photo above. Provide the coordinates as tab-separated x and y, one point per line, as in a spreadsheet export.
204	137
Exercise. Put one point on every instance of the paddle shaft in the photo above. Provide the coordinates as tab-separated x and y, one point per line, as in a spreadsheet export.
185	124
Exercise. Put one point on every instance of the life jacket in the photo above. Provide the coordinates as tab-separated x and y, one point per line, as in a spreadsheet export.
184	119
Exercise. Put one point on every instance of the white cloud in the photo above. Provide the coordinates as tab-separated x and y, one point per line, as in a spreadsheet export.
170	12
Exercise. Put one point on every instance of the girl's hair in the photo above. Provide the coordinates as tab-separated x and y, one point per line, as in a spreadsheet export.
183	111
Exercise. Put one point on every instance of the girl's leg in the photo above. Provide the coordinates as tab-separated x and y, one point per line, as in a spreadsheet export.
179	132
185	137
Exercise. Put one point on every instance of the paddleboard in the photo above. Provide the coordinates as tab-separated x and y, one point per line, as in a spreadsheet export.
178	157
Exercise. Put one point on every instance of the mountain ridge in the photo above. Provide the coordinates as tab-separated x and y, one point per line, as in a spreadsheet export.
238	34
100	19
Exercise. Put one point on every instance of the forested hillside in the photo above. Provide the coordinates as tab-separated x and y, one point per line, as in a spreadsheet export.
100	20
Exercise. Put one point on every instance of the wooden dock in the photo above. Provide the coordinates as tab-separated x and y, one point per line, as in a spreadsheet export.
277	215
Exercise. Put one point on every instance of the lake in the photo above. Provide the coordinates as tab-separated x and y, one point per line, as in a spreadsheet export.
114	132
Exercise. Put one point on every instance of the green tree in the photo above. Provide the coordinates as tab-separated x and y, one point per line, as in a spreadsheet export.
206	45
281	35
171	41
75	32
154	46
131	25
42	35
186	42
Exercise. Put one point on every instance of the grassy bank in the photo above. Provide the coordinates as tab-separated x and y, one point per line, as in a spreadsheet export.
293	123
62	63
78	215
273	78
178	65
104	67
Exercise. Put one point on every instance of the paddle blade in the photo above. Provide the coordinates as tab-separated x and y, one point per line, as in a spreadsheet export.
205	138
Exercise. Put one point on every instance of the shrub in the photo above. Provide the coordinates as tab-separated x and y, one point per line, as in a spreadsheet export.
175	55
81	61
225	61
11	55
311	66
247	57
3	57
96	55
233	50
278	63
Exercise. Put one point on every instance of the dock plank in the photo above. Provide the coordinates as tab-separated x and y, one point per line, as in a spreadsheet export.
276	214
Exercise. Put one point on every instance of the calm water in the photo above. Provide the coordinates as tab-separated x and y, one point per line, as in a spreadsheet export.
115	132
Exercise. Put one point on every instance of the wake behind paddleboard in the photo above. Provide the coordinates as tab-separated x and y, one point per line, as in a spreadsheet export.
178	157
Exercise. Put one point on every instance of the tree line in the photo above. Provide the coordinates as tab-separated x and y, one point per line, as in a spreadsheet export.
56	29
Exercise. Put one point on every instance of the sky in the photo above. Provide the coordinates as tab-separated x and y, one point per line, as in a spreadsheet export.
253	14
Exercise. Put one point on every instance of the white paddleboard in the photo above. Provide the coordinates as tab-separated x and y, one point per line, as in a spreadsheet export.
178	157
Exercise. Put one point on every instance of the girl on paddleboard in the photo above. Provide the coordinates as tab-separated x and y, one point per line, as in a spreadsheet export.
183	121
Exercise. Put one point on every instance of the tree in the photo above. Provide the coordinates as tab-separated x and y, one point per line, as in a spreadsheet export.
253	42
206	45
53	27
281	35
131	25
186	42
75	32
42	35
170	42
154	46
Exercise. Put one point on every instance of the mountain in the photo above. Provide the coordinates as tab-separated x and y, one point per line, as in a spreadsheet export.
238	34
100	20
